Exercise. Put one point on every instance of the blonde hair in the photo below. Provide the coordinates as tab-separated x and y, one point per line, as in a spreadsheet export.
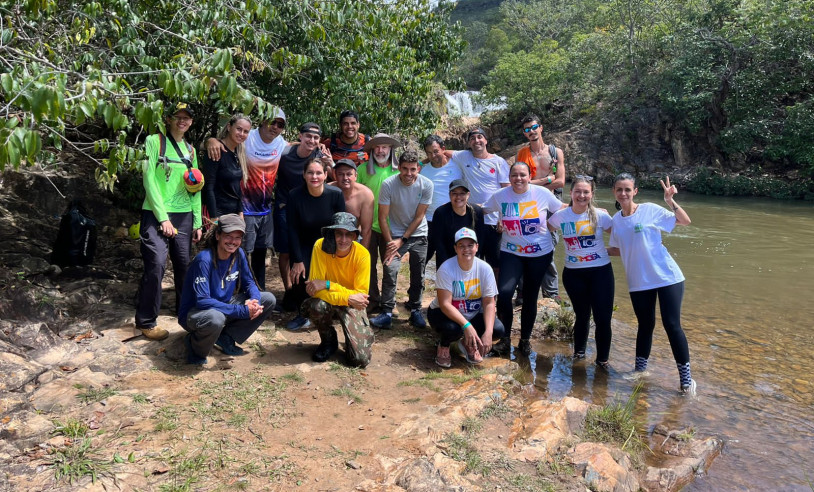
591	204
240	150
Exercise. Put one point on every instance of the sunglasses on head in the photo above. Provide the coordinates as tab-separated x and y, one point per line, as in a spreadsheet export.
531	128
584	176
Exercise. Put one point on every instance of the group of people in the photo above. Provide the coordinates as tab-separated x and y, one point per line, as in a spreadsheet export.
337	209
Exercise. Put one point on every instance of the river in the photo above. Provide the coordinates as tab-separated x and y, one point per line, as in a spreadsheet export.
747	313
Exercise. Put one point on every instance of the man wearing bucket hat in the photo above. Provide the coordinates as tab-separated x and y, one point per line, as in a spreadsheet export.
359	200
338	284
221	304
170	216
381	165
464	307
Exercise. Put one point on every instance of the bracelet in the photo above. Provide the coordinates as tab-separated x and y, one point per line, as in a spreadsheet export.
327	285
466	325
550	180
404	239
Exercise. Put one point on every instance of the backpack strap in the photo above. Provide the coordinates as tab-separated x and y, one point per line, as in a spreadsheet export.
552	151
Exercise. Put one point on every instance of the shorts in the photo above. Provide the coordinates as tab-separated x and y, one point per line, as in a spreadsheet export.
281	226
259	232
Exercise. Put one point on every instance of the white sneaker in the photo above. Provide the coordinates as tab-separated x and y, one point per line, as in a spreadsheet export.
689	389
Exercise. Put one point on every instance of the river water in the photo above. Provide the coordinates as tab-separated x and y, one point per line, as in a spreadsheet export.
747	312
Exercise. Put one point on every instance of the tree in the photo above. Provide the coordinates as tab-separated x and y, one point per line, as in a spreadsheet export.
97	75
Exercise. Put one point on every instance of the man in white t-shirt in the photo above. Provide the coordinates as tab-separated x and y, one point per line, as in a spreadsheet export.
264	146
464	308
441	174
486	174
403	202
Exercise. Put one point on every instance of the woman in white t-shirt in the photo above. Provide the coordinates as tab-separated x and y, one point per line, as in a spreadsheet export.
526	249
651	271
464	308
588	274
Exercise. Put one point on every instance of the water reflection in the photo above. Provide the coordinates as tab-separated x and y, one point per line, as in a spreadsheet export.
747	314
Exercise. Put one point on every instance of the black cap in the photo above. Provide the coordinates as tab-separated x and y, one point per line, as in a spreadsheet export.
345	162
458	183
311	127
476	131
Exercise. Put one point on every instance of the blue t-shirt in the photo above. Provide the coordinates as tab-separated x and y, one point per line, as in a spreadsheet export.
211	285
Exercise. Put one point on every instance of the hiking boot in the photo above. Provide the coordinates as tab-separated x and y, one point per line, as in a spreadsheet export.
473	357
443	358
689	389
154	333
327	346
227	345
525	347
192	358
417	319
298	323
503	347
384	320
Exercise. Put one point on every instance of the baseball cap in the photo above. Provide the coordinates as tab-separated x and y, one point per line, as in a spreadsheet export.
465	233
311	127
230	223
345	162
458	183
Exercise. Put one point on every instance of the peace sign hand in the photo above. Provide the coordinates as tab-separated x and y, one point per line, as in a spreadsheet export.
669	190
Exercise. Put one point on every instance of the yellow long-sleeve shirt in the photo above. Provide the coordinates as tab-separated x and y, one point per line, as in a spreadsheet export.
348	275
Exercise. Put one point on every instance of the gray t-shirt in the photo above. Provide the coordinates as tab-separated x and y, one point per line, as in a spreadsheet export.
403	202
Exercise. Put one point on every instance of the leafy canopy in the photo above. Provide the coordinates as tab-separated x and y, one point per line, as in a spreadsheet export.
98	75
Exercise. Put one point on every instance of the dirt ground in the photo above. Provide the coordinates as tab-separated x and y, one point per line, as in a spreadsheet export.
271	419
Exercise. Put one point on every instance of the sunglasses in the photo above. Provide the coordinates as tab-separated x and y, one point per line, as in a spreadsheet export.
531	128
584	177
278	124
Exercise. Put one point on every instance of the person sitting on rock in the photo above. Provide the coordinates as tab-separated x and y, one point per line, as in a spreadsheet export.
338	284
464	307
221	304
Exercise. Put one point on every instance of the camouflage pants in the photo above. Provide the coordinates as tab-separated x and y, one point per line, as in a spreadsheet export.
358	335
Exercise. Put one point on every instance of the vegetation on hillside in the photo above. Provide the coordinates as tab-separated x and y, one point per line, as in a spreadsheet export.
735	75
97	75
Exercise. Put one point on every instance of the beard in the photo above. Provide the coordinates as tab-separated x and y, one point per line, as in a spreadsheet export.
383	160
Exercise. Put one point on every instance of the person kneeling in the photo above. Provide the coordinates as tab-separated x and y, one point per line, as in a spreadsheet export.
221	304
338	284
465	304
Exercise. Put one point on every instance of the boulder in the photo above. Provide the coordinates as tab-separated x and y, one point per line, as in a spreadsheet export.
25	429
543	425
17	371
421	476
41	344
601	471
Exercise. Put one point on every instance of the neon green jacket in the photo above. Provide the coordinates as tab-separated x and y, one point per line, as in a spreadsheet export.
166	193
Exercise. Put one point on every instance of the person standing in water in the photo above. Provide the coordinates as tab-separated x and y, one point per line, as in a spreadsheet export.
651	272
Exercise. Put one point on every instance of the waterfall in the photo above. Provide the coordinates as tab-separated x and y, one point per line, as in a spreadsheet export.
461	104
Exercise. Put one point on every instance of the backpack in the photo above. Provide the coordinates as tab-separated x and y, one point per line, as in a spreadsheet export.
552	151
193	178
162	150
76	241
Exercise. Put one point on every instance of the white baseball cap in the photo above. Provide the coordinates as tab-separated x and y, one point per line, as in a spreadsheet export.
465	233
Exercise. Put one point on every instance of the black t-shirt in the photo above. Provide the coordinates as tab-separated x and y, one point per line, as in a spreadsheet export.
222	194
445	223
289	175
306	216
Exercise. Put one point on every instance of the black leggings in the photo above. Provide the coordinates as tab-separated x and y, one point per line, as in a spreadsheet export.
591	289
258	262
450	331
512	269
644	305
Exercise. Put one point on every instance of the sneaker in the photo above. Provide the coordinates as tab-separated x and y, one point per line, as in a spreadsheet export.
417	319
443	358
578	356
227	345
277	309
154	333
604	365
689	389
471	357
503	347
327	346
525	347
192	358
384	320
298	323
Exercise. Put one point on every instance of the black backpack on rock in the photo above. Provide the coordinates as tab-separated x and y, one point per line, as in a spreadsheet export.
76	241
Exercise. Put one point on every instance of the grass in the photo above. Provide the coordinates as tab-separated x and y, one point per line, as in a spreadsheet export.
524	482
78	460
168	418
257	347
347	393
140	398
294	377
71	428
497	408
185	472
426	381
92	395
460	448
614	423
252	393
